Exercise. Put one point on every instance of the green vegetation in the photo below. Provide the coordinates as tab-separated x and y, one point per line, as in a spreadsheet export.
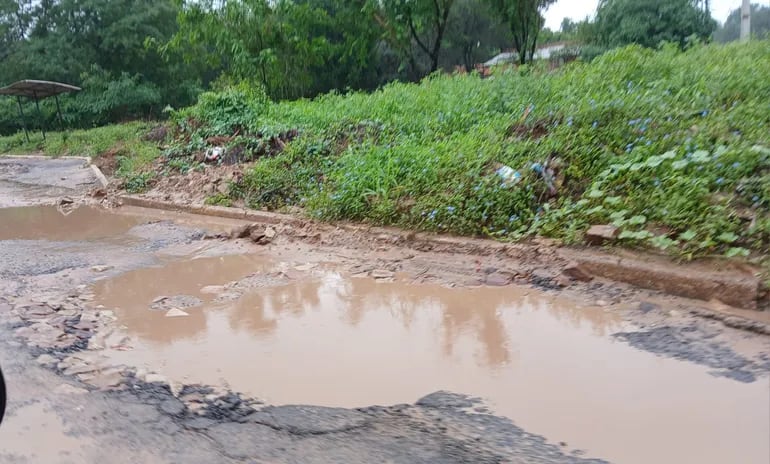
670	146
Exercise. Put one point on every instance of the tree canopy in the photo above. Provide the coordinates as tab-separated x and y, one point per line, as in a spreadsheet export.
650	22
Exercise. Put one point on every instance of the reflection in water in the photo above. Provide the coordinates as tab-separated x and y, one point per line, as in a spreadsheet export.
49	223
545	362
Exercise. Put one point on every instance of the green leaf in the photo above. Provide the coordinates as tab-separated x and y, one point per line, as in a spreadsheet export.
701	156
595	194
727	237
662	242
737	251
637	220
668	155
654	161
637	166
680	164
613	201
687	235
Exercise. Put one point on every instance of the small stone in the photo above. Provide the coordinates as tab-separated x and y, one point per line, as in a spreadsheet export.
159	299
576	272
646	307
601	303
46	360
497	279
270	233
199	423
212	289
600	234
172	407
382	274
98	193
104	380
65	201
67	389
101	268
176	312
155	378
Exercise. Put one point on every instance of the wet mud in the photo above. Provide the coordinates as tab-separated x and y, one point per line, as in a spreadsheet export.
298	333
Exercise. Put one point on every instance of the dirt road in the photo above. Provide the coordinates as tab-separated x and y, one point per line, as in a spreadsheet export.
141	336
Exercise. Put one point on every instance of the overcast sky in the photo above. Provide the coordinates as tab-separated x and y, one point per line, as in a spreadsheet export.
579	9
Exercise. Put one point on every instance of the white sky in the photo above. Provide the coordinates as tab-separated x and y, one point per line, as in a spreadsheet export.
580	9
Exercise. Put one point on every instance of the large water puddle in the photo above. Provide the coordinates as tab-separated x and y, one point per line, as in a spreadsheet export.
548	364
52	223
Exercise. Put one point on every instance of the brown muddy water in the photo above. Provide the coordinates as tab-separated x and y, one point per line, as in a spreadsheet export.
321	337
52	223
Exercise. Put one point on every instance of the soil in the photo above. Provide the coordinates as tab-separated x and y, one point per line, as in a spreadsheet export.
476	353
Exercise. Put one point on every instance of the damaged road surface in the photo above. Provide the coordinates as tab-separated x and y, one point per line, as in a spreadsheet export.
131	335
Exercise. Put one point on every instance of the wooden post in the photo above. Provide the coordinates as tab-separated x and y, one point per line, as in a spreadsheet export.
23	119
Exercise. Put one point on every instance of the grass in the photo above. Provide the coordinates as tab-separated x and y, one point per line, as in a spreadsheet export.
134	156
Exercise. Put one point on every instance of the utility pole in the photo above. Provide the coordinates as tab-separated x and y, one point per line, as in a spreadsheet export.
746	20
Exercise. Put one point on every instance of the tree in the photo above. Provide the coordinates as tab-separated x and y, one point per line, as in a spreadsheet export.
423	21
731	30
525	21
474	34
650	22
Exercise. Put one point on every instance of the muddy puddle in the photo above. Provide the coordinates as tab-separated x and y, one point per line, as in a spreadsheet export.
304	334
52	223
51	443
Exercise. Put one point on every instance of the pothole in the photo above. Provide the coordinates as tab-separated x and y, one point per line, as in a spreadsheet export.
52	223
292	333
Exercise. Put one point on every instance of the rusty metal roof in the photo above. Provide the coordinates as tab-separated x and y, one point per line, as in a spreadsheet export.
37	89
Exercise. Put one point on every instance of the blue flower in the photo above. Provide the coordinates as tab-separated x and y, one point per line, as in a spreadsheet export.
648	120
569	121
657	182
513	218
705	113
736	165
719	165
595	124
451	209
755	198
720	181
649	142
633	122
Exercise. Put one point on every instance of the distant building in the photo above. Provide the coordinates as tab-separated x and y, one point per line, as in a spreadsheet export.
558	53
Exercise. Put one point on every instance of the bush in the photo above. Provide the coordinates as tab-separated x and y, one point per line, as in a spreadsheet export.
669	145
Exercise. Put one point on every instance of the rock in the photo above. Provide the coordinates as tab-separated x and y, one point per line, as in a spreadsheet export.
79	369
270	233
103	380
243	231
212	289
576	272
305	267
155	378
382	274
172	407
98	193
497	279
67	389
646	306
65	201
199	423
601	303
46	360
102	268
600	234
176	312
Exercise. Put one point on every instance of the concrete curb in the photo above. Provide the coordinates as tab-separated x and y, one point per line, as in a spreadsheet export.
99	175
732	287
741	289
